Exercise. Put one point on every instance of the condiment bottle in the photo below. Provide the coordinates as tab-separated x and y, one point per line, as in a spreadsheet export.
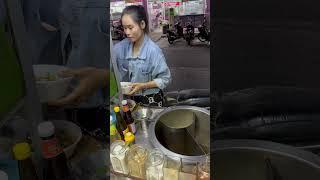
118	151
137	156
129	138
55	160
22	153
114	134
121	124
154	165
128	117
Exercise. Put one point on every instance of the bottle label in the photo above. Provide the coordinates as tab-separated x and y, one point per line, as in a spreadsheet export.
132	128
50	148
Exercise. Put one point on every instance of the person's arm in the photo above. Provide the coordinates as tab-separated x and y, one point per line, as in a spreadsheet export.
160	74
90	80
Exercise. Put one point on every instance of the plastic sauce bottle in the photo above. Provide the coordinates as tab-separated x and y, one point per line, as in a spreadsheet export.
129	138
121	124
128	117
22	153
114	134
55	160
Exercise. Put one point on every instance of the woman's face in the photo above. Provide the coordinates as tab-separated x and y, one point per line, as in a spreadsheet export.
132	29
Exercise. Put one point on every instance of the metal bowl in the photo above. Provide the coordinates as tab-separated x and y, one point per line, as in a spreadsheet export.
141	113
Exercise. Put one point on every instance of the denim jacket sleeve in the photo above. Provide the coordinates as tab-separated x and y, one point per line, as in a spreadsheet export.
161	74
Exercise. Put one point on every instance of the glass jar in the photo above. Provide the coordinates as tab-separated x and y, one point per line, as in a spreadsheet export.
154	165
118	151
188	171
204	169
137	156
171	169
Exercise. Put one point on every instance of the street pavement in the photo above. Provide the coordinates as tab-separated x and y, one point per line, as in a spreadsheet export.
189	65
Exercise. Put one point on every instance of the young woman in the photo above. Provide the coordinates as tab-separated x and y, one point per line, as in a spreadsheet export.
140	61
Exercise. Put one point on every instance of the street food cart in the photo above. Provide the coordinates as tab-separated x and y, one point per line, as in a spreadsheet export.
170	143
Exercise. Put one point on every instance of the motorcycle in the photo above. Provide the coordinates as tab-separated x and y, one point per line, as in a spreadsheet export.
204	34
189	33
174	35
118	33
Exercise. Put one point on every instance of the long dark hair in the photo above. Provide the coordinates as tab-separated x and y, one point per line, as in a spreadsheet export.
138	14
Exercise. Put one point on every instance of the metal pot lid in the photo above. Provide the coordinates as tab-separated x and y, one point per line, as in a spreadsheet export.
263	160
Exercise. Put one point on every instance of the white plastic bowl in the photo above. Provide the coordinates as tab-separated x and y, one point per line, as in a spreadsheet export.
125	87
73	130
50	90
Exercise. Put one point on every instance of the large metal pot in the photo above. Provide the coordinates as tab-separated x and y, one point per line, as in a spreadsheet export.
263	160
182	132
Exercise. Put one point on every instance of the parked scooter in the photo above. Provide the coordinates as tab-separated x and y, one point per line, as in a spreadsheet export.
204	34
118	33
189	33
176	34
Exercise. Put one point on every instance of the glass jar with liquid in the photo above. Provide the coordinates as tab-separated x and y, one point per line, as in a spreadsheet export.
154	165
204	169
118	151
171	169
137	156
188	171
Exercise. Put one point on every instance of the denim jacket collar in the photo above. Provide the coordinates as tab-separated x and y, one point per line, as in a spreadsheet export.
142	54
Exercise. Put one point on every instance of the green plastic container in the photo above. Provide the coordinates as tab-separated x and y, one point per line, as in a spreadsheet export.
11	77
113	85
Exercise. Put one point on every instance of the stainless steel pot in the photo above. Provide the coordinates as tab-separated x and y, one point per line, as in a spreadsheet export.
264	160
182	132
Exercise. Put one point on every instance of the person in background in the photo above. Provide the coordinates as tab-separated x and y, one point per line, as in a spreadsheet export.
85	43
82	41
140	61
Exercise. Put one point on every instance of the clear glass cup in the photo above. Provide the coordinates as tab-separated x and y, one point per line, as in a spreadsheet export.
188	171
118	159
204	169
154	165
171	168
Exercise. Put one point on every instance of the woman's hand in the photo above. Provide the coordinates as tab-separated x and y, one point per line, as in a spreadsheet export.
90	80
136	87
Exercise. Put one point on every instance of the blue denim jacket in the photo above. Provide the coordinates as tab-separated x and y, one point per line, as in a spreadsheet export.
149	65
